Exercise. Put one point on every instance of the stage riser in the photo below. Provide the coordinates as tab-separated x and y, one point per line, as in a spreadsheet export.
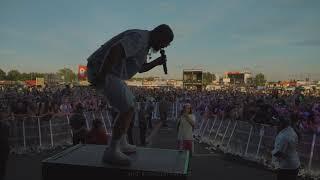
85	162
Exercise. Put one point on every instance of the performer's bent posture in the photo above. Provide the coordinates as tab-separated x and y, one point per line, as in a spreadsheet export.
119	59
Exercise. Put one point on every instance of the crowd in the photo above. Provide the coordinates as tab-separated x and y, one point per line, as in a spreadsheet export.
264	107
253	106
47	101
260	107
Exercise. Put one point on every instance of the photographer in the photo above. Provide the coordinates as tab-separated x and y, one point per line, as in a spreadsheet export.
97	134
148	110
185	129
78	125
163	110
285	150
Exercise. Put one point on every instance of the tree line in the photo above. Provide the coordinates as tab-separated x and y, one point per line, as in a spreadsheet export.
64	74
68	75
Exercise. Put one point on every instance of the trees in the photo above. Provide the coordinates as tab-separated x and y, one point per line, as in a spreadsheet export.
2	75
260	80
208	78
31	76
67	75
25	76
13	75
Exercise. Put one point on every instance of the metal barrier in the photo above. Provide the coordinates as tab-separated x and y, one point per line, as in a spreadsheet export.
251	141
36	133
17	132
255	142
60	130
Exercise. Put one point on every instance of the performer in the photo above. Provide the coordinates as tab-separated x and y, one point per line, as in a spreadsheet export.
119	59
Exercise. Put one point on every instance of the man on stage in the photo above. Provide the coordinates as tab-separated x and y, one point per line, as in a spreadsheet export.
119	59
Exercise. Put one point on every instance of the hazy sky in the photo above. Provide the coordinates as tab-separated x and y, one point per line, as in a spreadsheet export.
280	38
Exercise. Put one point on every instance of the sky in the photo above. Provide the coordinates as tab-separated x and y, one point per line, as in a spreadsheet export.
280	38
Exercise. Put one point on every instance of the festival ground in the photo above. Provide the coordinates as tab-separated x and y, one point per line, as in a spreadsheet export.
204	164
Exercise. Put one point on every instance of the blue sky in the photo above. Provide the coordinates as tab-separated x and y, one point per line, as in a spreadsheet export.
280	38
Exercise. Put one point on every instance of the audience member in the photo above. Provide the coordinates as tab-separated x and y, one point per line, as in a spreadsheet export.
97	134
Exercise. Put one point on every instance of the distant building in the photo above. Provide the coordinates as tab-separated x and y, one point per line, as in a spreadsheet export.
304	83
134	83
155	83
237	78
233	78
193	79
7	83
248	78
288	84
52	79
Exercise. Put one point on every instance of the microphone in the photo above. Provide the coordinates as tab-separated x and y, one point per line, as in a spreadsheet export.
163	55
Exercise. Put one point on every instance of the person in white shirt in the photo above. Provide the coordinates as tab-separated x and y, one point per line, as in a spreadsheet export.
117	60
285	151
185	129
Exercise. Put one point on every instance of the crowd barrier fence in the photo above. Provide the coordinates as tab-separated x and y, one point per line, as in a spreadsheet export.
35	133
250	141
255	142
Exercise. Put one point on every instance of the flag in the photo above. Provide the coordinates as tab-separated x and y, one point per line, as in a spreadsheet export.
82	72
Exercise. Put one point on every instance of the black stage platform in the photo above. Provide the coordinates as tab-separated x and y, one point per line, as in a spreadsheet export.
85	161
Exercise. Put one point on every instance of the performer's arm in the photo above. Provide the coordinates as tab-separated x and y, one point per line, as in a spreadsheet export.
116	54
148	66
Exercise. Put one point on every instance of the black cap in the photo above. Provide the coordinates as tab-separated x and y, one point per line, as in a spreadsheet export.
165	29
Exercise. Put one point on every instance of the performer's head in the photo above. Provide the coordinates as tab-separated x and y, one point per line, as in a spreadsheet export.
160	37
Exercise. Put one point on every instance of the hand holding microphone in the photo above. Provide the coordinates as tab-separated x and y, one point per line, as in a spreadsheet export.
163	55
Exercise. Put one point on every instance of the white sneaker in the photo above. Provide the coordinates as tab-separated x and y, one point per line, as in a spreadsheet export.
125	147
116	158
